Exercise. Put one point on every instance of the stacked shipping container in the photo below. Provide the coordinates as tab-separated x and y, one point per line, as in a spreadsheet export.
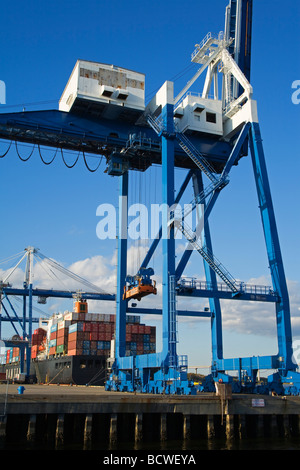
79	333
12	355
82	333
38	342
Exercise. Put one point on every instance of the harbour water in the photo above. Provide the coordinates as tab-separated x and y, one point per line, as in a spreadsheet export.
193	447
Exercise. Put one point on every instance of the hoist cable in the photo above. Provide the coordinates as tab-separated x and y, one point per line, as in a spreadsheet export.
92	171
47	163
24	159
2	156
69	166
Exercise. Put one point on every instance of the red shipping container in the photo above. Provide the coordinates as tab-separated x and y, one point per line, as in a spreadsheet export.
62	332
60	341
86	326
147	330
76	336
72	336
75	352
53	335
94	327
40	331
128	337
52	350
34	352
74	345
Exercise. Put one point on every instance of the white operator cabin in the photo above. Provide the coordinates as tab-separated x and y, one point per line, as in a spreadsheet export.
105	90
199	114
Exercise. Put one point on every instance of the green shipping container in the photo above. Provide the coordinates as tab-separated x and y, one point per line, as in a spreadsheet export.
60	348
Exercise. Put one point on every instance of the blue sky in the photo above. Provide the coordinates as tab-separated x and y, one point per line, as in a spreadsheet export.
54	208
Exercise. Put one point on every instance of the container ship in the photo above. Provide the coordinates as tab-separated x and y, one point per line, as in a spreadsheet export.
76	347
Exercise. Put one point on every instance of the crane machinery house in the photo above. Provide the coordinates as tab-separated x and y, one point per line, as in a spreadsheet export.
104	90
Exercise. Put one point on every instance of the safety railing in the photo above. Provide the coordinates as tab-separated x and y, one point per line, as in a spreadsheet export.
205	40
192	283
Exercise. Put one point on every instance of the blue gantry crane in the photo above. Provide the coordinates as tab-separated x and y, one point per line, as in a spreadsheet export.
102	112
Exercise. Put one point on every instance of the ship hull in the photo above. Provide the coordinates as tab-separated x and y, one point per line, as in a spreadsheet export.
76	370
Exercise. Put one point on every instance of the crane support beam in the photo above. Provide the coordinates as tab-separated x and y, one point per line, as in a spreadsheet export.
158	311
68	131
238	26
16	320
283	317
182	289
56	293
215	293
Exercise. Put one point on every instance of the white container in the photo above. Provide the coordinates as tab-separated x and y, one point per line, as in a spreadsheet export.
103	90
199	114
63	324
69	316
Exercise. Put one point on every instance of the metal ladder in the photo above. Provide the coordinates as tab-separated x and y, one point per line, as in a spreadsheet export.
199	199
213	262
172	321
157	125
196	156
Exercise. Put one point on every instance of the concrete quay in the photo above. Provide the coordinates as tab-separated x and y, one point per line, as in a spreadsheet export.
55	415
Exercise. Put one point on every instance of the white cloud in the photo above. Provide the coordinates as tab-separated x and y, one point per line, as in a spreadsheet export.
17	277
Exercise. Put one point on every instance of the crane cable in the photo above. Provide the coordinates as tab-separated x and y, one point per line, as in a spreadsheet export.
92	171
2	156
24	159
69	166
54	156
46	163
69	273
